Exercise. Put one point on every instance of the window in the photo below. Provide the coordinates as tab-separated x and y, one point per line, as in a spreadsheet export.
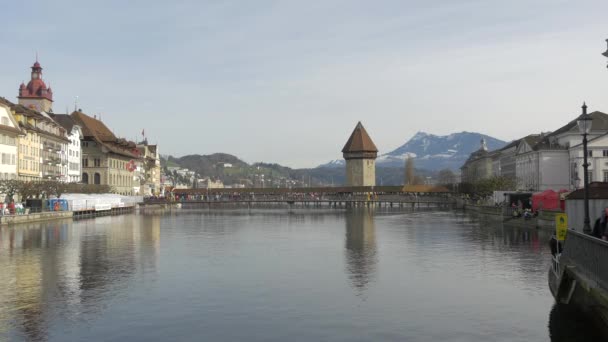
97	178
85	178
590	176
589	153
85	162
605	176
605	153
97	162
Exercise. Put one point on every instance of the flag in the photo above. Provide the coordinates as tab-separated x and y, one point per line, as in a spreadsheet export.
142	133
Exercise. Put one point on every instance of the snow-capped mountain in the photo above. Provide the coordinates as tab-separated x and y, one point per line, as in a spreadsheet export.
433	152
437	152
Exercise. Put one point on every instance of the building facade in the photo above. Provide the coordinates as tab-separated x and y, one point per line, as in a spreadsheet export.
9	135
28	144
106	159
149	162
555	160
54	149
74	134
360	154
551	160
480	165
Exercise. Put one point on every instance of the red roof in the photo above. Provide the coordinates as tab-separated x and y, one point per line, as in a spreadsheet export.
359	141
36	88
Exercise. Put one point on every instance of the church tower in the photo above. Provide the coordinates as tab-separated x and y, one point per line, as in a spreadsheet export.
360	154
36	95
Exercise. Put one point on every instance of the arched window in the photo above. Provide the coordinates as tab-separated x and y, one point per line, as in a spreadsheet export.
97	178
85	178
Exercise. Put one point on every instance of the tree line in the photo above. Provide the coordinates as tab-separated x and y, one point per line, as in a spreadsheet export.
47	189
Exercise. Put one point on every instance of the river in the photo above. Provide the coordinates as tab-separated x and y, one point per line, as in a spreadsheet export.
279	275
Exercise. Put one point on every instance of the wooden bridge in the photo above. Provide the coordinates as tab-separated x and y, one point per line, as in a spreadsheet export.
331	197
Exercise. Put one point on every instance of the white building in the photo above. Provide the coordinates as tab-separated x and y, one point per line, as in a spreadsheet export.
72	170
555	160
9	132
597	157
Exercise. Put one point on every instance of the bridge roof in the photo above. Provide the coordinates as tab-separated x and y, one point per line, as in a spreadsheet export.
359	141
336	189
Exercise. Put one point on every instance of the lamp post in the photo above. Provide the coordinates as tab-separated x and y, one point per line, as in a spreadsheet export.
584	126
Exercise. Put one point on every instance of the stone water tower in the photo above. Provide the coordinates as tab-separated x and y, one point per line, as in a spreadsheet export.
360	154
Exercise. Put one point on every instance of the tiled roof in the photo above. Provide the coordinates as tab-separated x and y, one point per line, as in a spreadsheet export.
93	128
65	120
359	141
599	123
96	130
597	190
21	109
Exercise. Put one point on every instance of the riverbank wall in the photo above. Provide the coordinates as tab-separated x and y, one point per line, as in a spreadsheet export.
545	218
579	276
35	217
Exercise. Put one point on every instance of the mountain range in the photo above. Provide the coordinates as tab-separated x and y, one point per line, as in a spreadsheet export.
432	152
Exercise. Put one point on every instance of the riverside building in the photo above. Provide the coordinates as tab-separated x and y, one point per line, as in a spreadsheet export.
106	159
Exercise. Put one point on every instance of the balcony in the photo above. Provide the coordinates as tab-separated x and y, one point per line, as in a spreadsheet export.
51	147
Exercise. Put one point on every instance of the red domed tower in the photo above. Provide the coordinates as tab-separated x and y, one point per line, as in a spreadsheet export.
36	95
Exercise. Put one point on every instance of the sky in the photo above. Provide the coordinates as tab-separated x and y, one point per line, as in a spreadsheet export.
287	81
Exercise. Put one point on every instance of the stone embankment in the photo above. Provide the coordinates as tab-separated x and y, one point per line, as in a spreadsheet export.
35	217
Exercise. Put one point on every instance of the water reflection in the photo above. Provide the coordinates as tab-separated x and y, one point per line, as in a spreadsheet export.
361	251
63	269
568	324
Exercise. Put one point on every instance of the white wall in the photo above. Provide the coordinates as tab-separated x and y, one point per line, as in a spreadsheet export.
598	164
526	171
576	212
74	171
8	146
554	172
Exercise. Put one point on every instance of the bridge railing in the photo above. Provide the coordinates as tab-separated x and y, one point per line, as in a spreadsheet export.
589	255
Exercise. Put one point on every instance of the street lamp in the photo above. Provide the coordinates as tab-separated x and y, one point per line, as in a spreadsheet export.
584	126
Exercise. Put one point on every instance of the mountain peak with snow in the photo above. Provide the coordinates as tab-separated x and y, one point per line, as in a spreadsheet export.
433	152
436	152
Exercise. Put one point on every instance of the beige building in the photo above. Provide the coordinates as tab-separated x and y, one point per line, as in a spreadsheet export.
360	154
41	149
106	159
149	169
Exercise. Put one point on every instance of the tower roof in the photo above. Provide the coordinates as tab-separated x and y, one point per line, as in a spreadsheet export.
36	88
359	141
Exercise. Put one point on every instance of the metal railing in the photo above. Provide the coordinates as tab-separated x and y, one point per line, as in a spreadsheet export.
589	255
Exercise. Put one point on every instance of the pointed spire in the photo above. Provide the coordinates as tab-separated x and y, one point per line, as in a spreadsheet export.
359	141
